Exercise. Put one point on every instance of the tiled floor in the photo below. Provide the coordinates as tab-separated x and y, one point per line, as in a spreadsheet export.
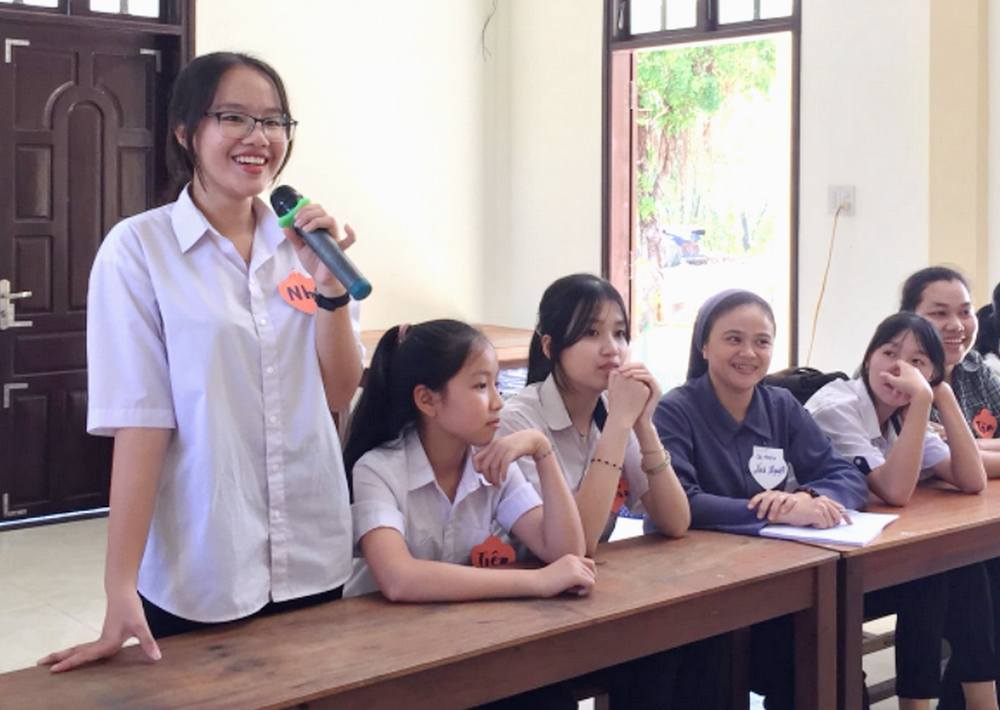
52	595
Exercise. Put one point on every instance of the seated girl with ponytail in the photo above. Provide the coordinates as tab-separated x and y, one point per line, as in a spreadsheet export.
430	482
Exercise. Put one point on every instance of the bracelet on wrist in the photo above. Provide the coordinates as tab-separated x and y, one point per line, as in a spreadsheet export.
660	466
543	456
605	462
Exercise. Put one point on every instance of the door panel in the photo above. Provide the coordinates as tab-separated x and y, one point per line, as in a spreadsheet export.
80	114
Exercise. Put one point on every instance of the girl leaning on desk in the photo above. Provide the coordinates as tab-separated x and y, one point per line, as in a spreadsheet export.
596	407
735	444
431	483
228	495
880	422
941	294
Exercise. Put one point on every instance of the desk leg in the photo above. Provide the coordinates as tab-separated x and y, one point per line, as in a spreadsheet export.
815	644
850	616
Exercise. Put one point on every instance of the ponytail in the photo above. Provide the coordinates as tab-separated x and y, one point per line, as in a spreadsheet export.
428	354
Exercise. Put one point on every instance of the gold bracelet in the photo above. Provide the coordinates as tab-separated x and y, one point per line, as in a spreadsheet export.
660	466
617	466
543	456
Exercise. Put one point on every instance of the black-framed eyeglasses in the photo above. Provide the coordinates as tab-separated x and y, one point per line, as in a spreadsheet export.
235	124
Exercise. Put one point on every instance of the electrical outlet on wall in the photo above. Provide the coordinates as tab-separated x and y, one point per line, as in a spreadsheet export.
840	196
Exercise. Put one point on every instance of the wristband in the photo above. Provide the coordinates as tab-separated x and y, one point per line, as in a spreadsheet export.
812	493
331	304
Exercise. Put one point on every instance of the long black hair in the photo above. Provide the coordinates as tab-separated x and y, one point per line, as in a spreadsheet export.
913	287
988	337
565	313
715	306
925	333
194	92
426	354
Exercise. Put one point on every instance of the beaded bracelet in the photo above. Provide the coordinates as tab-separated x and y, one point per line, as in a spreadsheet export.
543	456
606	463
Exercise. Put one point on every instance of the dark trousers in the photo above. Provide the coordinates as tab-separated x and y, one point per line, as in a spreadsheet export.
163	624
772	662
965	611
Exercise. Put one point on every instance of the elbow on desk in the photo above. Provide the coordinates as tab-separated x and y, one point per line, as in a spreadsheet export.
975	488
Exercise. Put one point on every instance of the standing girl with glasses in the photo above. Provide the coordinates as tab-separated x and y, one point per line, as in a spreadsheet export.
228	495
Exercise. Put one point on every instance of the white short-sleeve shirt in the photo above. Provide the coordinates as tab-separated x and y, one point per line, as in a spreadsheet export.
540	406
182	334
395	487
843	409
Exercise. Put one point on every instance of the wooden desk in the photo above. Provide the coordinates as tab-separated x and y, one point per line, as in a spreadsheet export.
511	344
939	529
364	653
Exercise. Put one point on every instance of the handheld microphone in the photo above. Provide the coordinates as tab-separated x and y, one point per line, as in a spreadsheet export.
286	202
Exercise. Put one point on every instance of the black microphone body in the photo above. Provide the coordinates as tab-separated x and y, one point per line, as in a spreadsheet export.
286	201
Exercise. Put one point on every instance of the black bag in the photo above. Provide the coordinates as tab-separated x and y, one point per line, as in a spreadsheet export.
802	382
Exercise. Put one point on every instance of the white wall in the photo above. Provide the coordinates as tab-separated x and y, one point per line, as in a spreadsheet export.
864	122
390	95
474	182
546	132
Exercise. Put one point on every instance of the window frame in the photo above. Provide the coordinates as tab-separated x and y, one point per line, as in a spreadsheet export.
619	134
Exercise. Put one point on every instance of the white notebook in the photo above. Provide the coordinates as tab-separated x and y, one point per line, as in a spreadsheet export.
864	528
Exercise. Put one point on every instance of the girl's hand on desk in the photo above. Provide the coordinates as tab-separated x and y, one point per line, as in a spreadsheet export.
123	620
495	458
818	512
771	504
309	218
570	573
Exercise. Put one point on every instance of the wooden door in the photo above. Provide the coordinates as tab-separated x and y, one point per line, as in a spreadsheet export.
81	114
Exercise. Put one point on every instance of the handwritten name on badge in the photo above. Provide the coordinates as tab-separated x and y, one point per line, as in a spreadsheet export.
493	552
768	467
297	292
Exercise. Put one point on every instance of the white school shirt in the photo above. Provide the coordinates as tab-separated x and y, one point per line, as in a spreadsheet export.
843	409
541	406
395	487
181	334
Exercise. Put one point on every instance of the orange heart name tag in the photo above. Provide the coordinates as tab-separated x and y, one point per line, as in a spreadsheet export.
985	424
297	292
494	552
621	495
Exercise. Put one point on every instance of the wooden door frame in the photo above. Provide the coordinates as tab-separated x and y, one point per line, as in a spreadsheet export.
619	137
175	35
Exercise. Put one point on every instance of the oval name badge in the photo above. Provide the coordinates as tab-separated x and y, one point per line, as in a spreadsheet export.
768	467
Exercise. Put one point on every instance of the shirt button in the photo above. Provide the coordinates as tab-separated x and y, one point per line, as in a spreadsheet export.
275	467
269	370
272	419
263	321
